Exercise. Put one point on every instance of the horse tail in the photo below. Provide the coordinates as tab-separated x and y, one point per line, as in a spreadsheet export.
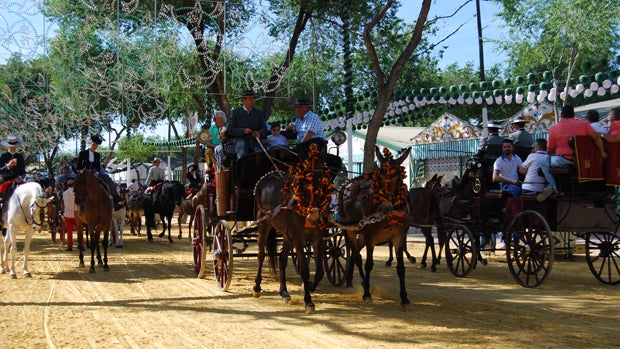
272	250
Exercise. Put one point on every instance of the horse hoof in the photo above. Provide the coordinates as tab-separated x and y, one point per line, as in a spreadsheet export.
179	237
91	270
405	306
310	309
12	276
82	265
433	268
171	241
149	240
286	300
423	265
256	294
412	260
27	274
106	268
388	264
161	235
367	299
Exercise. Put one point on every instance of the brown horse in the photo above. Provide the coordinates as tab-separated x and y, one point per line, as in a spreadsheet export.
372	202
135	211
55	222
297	206
93	208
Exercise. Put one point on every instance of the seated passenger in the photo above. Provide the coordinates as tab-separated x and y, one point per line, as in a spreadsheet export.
308	125
506	170
276	140
533	182
561	153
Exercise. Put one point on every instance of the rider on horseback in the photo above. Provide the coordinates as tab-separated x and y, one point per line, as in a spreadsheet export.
90	159
12	168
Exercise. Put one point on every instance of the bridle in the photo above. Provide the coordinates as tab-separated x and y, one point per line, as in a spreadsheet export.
31	215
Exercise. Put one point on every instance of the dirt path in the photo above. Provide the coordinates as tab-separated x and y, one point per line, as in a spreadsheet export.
151	299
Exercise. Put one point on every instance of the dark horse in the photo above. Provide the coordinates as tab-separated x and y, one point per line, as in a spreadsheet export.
162	200
95	210
296	205
373	201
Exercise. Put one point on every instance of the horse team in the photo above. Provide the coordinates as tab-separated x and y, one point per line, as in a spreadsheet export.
372	209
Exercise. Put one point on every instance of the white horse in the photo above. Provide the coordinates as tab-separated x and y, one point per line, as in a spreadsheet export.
25	205
118	222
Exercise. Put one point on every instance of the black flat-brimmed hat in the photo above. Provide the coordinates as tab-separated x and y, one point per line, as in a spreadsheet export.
248	93
96	139
519	120
12	141
302	102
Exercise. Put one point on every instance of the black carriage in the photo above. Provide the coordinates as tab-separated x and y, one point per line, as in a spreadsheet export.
225	226
586	209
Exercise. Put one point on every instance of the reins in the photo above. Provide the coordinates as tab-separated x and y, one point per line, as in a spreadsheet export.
31	215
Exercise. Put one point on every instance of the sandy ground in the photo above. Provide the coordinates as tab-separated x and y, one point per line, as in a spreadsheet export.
151	299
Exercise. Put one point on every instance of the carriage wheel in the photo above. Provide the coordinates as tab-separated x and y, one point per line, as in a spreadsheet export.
336	257
309	256
222	255
198	241
602	255
460	250
529	248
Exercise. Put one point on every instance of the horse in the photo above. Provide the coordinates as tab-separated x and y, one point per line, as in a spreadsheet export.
94	208
188	206
118	221
23	209
375	202
296	235
55	223
162	200
429	213
135	211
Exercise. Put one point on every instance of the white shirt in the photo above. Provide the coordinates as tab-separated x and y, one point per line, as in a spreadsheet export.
533	181
598	128
68	198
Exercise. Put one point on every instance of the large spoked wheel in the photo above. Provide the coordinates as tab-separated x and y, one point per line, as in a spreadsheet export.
529	248
460	250
222	255
336	257
198	241
602	255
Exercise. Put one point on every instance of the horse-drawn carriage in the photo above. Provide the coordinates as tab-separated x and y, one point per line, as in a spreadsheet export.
586	209
228	224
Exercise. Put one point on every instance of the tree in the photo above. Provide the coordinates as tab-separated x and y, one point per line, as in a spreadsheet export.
385	82
563	37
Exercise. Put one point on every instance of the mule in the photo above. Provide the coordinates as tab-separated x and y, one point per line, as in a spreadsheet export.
162	201
296	234
94	208
374	202
24	208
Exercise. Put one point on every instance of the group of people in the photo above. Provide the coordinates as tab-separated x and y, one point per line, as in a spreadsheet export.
555	152
247	129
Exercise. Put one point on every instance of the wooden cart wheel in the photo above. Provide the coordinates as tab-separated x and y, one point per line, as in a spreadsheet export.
460	250
529	248
603	256
336	257
198	241
222	255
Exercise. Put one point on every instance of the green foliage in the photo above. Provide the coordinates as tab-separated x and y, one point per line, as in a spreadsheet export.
135	148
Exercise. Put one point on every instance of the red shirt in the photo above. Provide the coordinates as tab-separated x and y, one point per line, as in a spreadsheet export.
562	131
614	128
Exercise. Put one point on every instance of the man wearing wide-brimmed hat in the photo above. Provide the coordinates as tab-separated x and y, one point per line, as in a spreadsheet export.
246	125
12	164
90	159
521	137
308	125
493	139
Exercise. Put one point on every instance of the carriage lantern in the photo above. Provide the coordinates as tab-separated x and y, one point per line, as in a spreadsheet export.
338	137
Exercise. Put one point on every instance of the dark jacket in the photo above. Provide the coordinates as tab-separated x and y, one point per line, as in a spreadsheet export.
17	171
83	162
240	119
